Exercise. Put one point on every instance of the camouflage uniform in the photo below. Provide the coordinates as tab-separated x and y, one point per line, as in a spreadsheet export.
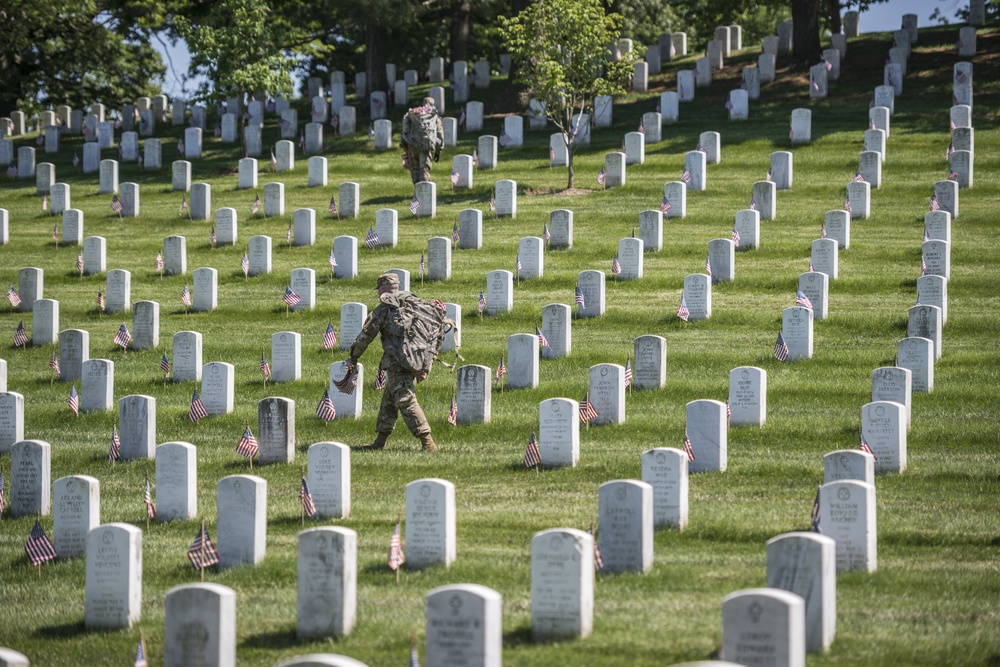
419	158
399	395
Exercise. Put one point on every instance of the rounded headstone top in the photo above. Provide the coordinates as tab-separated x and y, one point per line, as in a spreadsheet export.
321	660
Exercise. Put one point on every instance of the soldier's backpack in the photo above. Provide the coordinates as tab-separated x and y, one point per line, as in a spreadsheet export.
416	330
422	131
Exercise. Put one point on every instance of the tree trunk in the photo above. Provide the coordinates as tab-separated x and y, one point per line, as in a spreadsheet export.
376	40
833	15
461	23
805	32
514	96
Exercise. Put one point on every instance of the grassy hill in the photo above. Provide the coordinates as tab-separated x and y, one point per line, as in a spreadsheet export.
935	598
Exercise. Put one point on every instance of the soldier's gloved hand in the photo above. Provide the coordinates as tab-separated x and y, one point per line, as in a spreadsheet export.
421	377
437	156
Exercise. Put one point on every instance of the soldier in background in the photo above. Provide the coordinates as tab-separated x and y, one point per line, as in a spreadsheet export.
422	137
399	395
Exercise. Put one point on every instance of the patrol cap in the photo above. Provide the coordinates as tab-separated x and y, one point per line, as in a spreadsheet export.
387	279
429	101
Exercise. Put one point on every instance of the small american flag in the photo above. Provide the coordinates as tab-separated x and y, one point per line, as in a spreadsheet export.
76	160
380	379
265	368
38	547
546	236
923	265
453	411
602	177
552	154
180	144
159	261
579	298
12	170
753	204
422	267
55	232
454	177
329	337
482	301
116	204
493	202
396	557
371	239
517	265
245	265
812	269
951	126
687	445
501	371
475	158
814	517
20	336
184	205
100	300
165	364
79	262
815	85
961	76
333	205
802	300
686	176
826	63
847	204
953	175
701	148
54	362
45	207
325	409
858	178
532	456
542	340
935	206
665	205
791	134
587	409
414	205
147	498
123	337
947	155
736	238
926	236
616	266
822	231
708	265
455	236
598	556
212	238
461	119
871	124
780	349
770	175
628	371
202	552
682	310
74	401
349	382
504	139
728	105
115	451
256	205
197	410
288	233
864	445
247	446
332	260
186	296
290	297
3	503
308	506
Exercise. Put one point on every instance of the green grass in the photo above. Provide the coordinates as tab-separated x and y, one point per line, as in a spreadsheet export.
935	599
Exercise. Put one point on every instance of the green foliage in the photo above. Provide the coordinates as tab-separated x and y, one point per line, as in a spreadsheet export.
71	52
235	47
562	47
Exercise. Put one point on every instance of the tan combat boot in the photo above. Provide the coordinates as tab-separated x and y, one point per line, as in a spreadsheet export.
380	440
427	443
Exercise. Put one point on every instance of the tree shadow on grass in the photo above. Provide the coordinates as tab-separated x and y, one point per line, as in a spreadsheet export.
276	639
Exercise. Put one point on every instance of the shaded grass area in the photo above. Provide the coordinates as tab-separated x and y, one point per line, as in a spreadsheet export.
935	597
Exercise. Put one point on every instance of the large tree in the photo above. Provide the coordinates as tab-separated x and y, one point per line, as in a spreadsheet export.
76	52
561	47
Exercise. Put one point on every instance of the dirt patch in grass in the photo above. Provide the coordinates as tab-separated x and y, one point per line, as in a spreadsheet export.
537	192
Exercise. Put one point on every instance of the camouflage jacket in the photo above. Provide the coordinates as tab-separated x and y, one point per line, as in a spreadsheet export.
375	324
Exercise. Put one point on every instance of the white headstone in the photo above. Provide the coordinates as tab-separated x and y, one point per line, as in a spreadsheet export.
74	349
317	167
192	143
894	383
176	481
464	626
180	176
747	223
946	194
694	163
113	593
685	85
562	584
885	96
635	148
499	292
97	387
387	227
430	523
109	177
592	284
522	361
651	230
46	323
625	535
11	414
859	194
345	251
474	117
152	154
698	296
722	259
640	77
666	471
72	231
242	520
764	198
764	622
707	429
453	339
187	365
816	286
425	192
825	257
330	478
439	258
870	168
473	395
30	478
352	317
925	322
739	101
506	198
559	432
781	170
607	393
917	355
205	289
847	514
327	582
766	62
846	464
937	258
932	290
276	430
748	396
76	510
137	427
259	255
470	228
883	426
217	384
199	625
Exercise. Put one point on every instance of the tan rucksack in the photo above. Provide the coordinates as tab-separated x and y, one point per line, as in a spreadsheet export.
414	333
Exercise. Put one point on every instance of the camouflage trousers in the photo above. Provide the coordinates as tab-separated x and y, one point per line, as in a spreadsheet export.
420	164
400	396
